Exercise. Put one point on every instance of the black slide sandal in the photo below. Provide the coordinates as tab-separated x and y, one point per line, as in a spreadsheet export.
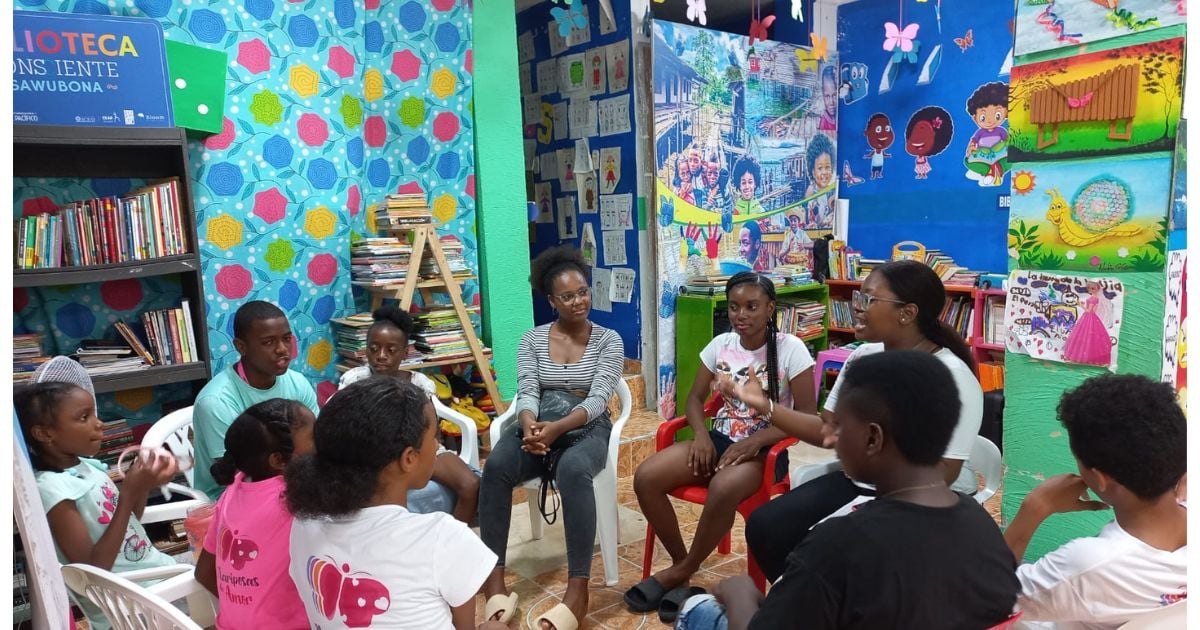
645	596
672	602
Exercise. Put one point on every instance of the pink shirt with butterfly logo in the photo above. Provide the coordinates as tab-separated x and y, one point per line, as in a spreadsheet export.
249	539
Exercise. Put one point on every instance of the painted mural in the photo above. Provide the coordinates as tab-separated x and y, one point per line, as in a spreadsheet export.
1124	100
1050	24
330	104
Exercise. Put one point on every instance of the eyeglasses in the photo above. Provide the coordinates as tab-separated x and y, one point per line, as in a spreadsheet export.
571	298
861	301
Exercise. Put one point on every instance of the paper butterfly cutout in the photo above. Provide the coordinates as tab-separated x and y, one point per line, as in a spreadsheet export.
568	19
1082	101
808	61
798	10
758	28
849	177
695	12
966	41
894	37
820	46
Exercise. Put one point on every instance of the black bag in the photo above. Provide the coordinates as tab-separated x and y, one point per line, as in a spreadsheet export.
556	404
821	258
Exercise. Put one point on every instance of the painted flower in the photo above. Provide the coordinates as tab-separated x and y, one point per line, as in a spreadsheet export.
411	188
266	108
341	61
260	9
412	112
375	131
443	5
351	111
280	255
447	37
322	174
222	140
343	12
353	200
373	85
322	269
234	282
37	205
405	65
373	36
444	208
354	151
75	320
371	5
320	354
442	83
302	30
20	299
323	308
320	222
254	56
378	172
470	187
418	150
224	231
208	26
1070	254
469	64
312	130
445	126
134	399
1095	261
371	215
153	8
289	295
448	165
412	16
1123	252
304	80
270	205
121	295
225	178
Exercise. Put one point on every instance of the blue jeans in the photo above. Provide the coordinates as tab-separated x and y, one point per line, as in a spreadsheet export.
701	612
434	497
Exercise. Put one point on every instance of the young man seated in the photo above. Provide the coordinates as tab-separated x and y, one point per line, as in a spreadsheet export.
263	338
1129	438
918	556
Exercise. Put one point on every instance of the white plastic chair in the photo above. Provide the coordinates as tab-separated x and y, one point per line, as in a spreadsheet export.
172	432
604	484
469	452
129	606
1172	617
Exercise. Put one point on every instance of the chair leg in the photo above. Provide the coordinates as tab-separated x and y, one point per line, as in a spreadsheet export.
535	515
723	547
648	553
756	574
607	523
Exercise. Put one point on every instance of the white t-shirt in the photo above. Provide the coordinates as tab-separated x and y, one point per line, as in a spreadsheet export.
1101	582
386	567
725	355
361	372
970	395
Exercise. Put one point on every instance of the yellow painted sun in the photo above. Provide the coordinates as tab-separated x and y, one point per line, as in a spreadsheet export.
1023	182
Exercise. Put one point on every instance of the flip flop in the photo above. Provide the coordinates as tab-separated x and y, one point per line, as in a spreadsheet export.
672	602
497	603
645	596
560	617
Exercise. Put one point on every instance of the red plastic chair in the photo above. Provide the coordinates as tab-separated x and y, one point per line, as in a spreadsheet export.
1008	623
699	494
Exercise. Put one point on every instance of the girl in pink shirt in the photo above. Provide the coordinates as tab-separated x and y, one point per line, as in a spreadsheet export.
245	558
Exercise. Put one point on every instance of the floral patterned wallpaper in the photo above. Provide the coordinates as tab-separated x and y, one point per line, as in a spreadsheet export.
330	105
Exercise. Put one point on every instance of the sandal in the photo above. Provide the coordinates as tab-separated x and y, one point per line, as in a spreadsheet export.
560	617
506	605
672	602
645	596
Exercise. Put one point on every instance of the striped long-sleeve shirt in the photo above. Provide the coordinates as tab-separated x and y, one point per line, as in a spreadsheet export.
597	372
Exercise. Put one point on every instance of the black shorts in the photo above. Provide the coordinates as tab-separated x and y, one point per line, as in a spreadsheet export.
722	443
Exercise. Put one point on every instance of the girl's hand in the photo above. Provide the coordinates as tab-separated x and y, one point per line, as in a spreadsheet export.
147	474
541	436
828	434
737	453
702	456
751	392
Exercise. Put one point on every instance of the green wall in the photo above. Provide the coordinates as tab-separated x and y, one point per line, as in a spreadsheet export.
502	216
1035	444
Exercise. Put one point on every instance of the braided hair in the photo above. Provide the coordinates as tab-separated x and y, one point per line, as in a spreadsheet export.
262	429
768	289
37	405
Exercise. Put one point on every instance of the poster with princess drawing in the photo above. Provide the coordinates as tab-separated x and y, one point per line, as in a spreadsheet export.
1067	319
1050	24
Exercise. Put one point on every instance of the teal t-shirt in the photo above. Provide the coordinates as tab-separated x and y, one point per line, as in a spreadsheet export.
221	401
95	496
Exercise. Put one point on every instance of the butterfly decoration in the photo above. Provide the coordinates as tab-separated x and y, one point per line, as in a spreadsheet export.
848	176
808	60
1082	101
569	19
902	43
820	46
966	41
758	28
696	12
798	10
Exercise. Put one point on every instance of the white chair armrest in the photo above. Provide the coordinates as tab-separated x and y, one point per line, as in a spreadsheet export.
803	474
169	511
500	423
202	606
470	435
158	573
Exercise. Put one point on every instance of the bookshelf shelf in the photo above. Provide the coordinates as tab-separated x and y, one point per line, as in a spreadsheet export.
466	358
988	346
839	329
150	376
424	284
59	276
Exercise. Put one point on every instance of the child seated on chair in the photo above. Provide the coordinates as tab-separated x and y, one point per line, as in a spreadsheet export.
1129	438
918	556
90	520
245	558
454	482
728	459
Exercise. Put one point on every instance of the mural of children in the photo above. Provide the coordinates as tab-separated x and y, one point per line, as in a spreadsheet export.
1088	342
695	162
745	177
987	152
716	187
684	186
879	137
819	160
928	133
797	246
829	97
750	245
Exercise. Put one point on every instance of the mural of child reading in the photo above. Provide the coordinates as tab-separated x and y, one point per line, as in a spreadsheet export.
819	160
746	174
928	133
987	152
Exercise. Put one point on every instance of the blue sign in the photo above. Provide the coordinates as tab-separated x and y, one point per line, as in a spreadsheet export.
89	70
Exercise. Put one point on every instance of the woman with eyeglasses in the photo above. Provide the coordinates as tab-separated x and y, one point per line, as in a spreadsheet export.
896	309
566	372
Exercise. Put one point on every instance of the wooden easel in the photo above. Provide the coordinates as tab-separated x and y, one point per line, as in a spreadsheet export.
423	237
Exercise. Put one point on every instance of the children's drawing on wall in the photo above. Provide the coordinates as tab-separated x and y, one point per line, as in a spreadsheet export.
610	169
987	151
1067	319
879	138
1048	24
1092	215
928	133
1125	100
544	202
745	136
855	82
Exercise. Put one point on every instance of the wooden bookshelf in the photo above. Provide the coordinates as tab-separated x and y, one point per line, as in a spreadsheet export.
59	276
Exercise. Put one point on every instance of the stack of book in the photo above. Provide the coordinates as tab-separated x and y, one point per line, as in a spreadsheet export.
117	437
27	356
712	284
803	318
146	223
950	273
107	356
403	211
846	263
959	313
841	314
440	334
793	275
350	337
993	320
991	375
379	262
453	250
172	339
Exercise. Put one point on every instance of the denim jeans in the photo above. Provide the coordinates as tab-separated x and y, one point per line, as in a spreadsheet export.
434	497
701	612
509	466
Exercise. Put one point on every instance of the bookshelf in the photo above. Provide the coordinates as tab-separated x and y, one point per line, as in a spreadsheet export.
139	153
841	290
699	318
988	350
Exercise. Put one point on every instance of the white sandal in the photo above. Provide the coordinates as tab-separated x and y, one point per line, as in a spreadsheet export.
560	617
497	603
